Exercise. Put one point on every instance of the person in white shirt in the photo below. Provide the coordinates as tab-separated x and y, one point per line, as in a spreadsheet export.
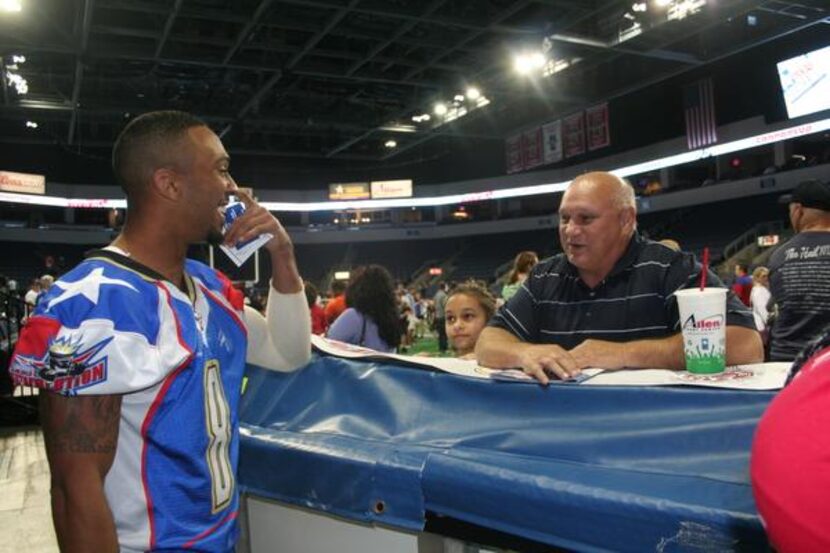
759	298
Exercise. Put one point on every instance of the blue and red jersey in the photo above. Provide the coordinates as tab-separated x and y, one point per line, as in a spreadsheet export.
113	326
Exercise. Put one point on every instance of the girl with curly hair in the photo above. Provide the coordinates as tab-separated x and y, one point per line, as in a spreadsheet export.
468	309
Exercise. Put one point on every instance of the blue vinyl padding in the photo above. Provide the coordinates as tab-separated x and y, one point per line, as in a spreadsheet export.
585	468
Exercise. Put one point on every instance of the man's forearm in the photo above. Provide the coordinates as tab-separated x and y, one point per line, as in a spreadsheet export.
658	353
285	277
743	346
498	349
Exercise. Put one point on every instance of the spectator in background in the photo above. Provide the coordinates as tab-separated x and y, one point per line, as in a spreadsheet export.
439	301
371	318
337	303
798	272
742	286
759	299
407	296
408	325
606	301
319	324
522	265
49	265
31	296
46	282
469	306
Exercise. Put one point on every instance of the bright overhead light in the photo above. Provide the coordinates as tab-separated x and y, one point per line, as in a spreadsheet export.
473	93
399	127
526	63
662	3
390	144
639	6
440	108
31	124
458	98
20	84
11	5
18	59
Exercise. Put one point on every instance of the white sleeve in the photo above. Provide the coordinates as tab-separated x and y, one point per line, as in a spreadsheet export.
281	341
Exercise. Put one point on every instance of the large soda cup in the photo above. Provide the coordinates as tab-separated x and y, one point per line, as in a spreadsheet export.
703	323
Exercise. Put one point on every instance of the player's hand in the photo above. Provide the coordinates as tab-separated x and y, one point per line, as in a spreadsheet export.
255	221
541	361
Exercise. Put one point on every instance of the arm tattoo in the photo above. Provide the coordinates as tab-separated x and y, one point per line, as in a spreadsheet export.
85	424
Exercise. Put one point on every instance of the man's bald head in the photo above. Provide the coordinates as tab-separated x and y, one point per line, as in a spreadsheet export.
607	185
597	218
149	142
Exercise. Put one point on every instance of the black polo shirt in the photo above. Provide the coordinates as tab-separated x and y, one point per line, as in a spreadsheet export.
634	302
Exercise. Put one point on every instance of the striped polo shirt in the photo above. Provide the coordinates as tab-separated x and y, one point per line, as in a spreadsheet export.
635	301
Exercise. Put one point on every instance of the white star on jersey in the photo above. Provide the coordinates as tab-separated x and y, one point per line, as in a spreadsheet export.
88	287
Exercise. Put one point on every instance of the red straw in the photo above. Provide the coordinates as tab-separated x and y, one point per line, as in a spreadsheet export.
705	268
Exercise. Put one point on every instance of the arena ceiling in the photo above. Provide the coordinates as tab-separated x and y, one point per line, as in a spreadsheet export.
338	79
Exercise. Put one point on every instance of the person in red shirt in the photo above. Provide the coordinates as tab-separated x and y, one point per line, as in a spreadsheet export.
743	283
790	465
319	324
338	302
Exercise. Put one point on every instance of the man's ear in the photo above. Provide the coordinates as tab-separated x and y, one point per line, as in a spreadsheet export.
167	184
628	219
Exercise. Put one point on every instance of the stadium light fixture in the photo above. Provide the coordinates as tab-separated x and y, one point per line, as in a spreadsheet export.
528	62
473	93
20	84
440	108
390	144
11	6
31	125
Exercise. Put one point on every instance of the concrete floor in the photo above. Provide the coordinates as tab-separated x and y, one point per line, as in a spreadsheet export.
25	513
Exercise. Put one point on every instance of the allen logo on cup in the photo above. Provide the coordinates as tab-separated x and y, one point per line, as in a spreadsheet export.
711	323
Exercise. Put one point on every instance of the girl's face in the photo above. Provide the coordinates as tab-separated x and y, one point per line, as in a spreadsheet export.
465	319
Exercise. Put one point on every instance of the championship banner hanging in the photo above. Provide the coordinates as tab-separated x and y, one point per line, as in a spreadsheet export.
596	120
532	148
513	153
552	141
573	133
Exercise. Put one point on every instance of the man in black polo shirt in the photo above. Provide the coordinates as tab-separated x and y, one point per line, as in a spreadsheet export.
606	301
799	272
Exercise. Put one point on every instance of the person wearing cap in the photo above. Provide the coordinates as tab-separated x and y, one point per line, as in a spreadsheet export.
608	300
799	275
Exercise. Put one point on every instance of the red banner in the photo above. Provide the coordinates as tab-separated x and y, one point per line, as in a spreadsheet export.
573	134
596	120
513	153
532	148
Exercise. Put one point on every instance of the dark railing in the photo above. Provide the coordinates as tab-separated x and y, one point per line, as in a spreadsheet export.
17	404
